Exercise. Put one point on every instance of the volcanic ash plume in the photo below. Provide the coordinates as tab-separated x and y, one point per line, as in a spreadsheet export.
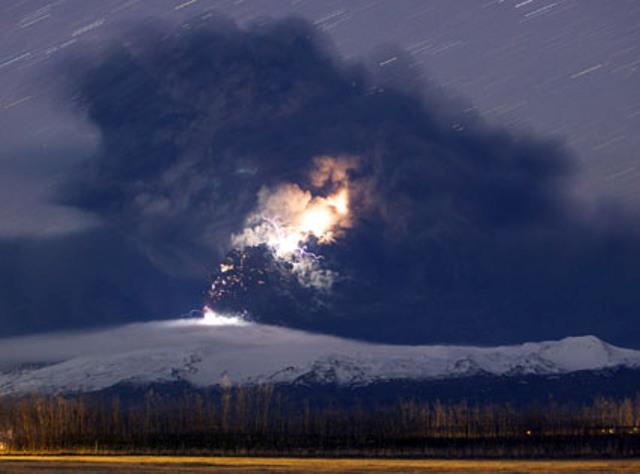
292	222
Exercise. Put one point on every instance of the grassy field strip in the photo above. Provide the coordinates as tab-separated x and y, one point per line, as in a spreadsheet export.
320	464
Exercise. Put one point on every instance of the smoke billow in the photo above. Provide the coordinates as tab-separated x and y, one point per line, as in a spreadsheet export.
288	219
400	220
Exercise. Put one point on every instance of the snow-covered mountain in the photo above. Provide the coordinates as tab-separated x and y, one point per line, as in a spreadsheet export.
221	351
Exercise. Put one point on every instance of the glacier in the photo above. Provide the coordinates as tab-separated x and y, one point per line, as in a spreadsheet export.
214	351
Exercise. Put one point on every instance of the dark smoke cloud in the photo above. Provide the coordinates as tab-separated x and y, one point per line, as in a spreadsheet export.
463	232
193	124
90	279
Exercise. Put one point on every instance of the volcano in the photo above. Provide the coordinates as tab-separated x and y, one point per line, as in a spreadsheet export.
253	283
197	353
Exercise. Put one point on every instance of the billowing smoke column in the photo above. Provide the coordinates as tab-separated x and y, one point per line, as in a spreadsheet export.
329	198
291	222
277	258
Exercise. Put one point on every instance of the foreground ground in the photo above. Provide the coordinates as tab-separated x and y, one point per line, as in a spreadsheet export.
161	464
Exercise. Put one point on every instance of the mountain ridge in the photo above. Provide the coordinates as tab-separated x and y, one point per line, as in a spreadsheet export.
221	351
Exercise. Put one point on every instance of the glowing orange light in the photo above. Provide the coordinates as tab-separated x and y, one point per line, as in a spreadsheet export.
288	217
317	221
340	201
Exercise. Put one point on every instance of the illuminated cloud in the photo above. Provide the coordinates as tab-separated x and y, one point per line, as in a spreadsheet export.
289	219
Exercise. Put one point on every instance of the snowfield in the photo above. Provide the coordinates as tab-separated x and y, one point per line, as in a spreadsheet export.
221	351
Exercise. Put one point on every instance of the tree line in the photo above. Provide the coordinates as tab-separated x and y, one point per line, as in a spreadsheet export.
267	419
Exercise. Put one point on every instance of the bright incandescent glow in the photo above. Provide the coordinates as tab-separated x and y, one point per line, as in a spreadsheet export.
211	318
289	218
340	201
317	221
319	217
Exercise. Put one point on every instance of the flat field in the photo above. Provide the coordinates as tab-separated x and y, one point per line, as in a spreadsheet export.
166	464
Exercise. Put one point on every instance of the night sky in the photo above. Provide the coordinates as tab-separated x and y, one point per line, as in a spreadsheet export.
498	139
